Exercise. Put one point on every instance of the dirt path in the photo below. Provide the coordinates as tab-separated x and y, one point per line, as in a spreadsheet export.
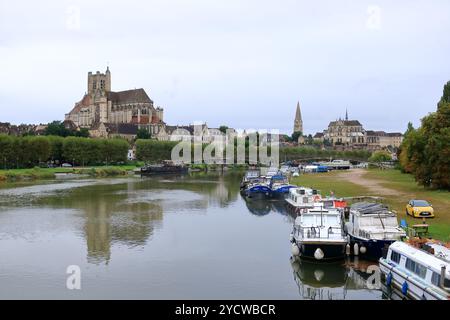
374	186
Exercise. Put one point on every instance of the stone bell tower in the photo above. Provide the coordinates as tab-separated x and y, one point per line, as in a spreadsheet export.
99	82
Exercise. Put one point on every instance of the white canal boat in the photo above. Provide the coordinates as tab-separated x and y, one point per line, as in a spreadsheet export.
372	227
318	235
301	198
419	274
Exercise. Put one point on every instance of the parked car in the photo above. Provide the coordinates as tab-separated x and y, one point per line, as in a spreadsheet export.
419	209
66	165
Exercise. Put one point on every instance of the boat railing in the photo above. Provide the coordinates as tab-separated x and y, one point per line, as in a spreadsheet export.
317	232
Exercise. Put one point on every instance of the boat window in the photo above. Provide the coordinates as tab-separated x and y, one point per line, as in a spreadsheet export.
395	256
436	279
417	268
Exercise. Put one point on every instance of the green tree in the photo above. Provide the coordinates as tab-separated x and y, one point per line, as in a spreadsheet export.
380	156
223	129
296	135
143	134
425	152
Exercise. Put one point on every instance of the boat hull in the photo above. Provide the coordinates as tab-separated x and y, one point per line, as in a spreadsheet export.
258	191
374	248
156	171
417	290
332	250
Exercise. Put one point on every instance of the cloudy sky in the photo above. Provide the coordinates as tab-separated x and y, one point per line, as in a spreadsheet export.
243	63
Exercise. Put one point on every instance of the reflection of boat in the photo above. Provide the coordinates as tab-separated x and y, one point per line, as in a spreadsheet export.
419	274
318	235
320	281
373	228
258	208
165	167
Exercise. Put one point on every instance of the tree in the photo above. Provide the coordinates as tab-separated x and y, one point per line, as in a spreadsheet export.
380	156
143	134
296	135
425	152
56	128
223	129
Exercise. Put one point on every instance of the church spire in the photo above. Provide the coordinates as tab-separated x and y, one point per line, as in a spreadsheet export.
298	122
346	115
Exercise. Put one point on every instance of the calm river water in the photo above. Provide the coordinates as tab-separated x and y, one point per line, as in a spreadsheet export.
190	237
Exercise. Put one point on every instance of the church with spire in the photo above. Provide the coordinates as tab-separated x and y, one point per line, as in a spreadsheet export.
298	122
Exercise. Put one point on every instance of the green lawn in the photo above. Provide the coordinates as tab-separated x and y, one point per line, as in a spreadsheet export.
408	189
326	182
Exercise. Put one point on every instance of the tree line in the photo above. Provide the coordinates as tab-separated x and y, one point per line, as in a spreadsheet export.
154	151
31	151
425	151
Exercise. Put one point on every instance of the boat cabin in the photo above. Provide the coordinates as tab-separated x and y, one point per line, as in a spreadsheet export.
426	274
373	221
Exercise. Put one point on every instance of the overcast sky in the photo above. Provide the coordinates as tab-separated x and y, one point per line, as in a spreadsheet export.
242	63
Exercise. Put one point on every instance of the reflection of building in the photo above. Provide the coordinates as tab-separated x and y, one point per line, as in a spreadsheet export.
109	219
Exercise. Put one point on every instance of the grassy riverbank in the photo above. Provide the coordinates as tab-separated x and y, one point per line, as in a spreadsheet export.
406	189
50	173
396	188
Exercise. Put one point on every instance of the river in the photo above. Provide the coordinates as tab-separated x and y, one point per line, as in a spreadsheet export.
179	237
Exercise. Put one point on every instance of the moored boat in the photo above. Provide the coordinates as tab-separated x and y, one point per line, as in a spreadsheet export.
280	186
371	228
419	274
249	176
166	167
318	235
301	198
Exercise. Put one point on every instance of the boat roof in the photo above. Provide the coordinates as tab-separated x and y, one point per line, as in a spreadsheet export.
371	208
431	261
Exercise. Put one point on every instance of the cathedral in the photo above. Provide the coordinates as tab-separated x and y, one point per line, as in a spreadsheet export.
113	109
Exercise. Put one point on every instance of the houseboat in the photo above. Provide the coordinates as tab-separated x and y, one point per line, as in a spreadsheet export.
301	198
280	186
166	167
371	229
258	188
419	273
249	177
318	235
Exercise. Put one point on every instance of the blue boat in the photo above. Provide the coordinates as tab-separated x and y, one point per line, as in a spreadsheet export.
258	188
279	186
372	228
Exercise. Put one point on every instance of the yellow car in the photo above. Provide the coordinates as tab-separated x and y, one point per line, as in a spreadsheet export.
419	209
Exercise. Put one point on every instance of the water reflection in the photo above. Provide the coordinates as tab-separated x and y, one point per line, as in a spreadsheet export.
331	281
125	211
130	236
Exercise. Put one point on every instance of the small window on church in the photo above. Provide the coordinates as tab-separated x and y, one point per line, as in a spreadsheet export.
102	84
94	85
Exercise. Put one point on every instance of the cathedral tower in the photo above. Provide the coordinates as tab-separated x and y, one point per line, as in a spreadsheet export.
99	82
298	122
